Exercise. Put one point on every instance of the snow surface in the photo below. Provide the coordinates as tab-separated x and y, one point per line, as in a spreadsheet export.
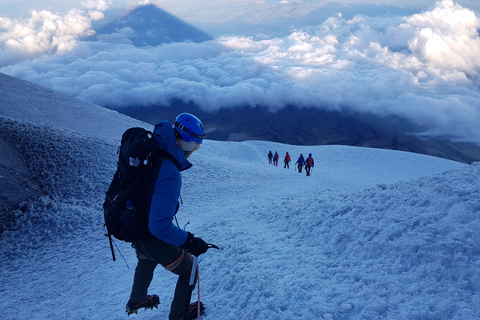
372	234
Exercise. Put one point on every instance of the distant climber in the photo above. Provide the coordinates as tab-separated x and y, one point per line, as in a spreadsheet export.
275	159
300	162
287	160
309	164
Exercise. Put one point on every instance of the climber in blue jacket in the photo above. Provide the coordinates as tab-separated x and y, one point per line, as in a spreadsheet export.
165	243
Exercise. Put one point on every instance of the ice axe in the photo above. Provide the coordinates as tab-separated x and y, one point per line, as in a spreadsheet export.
196	269
195	264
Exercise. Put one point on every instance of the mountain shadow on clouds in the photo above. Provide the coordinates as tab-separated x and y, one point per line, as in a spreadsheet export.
150	26
309	126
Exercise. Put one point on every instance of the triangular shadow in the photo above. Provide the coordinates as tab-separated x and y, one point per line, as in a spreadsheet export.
152	26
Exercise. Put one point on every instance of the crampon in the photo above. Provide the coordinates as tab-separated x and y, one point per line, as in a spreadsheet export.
151	302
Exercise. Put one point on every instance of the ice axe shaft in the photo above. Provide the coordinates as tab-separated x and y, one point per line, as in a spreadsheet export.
194	269
195	263
198	290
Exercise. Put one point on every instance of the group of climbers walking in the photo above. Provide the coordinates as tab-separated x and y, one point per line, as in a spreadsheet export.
308	163
275	158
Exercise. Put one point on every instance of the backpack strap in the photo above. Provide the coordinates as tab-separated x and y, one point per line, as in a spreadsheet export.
160	155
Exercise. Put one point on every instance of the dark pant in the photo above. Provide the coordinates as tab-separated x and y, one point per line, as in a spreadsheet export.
173	259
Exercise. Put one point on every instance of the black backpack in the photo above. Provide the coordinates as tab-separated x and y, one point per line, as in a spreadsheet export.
127	201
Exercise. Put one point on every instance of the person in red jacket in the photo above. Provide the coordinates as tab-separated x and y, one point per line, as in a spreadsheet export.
286	160
309	164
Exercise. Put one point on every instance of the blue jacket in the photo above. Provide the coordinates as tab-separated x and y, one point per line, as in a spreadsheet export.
167	187
300	161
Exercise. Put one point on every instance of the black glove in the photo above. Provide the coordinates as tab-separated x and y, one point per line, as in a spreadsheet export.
195	246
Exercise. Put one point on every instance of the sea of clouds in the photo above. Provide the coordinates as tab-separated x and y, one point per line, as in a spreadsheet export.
422	67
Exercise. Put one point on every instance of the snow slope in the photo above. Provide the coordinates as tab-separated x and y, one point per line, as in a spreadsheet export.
372	234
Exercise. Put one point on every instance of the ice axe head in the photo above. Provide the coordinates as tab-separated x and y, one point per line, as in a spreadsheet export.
212	246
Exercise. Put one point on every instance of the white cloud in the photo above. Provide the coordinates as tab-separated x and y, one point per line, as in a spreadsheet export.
423	67
100	5
447	37
45	32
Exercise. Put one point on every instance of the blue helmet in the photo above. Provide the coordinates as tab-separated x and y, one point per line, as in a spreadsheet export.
189	127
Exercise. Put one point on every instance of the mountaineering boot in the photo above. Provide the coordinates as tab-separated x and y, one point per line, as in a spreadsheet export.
192	311
151	302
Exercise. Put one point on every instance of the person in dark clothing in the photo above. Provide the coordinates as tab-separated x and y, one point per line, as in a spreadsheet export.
270	157
165	243
309	164
287	160
300	162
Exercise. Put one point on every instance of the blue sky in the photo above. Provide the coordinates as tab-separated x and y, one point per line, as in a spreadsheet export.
414	59
203	10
